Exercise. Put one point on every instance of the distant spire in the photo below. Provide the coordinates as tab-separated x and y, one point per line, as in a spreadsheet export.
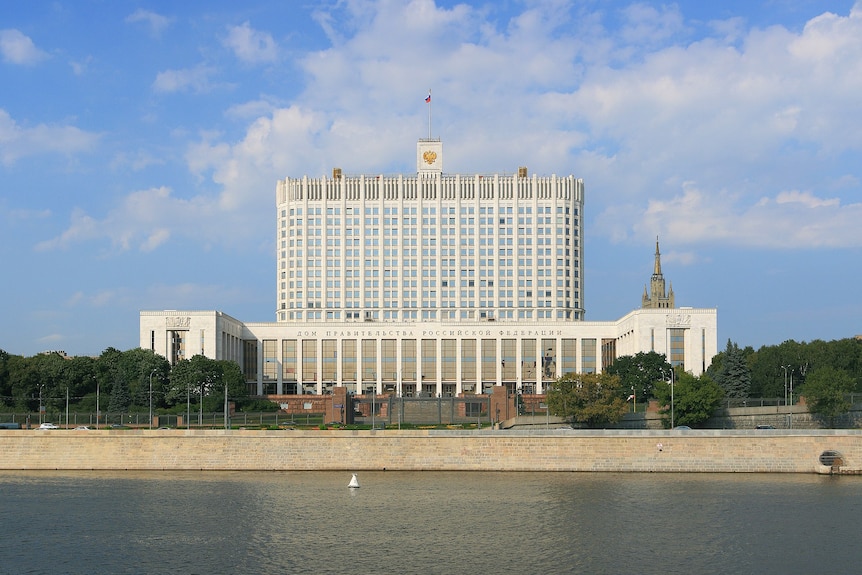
658	296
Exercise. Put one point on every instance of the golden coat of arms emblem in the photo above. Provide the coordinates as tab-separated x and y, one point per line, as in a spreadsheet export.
429	157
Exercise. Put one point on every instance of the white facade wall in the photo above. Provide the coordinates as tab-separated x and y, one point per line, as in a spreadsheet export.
641	330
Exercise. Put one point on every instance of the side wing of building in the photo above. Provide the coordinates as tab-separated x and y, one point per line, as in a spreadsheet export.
428	358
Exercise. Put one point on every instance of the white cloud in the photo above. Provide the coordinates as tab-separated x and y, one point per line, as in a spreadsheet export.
79	67
137	160
156	22
646	25
13	215
716	140
251	45
17	142
806	199
144	221
18	48
195	80
790	220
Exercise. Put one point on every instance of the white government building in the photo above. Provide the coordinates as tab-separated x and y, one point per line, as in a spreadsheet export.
434	284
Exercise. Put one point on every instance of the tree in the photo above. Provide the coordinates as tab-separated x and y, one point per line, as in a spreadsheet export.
695	399
121	399
640	371
231	375
595	400
734	377
201	376
824	392
5	382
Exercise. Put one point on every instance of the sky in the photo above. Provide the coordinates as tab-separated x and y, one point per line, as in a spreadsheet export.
141	143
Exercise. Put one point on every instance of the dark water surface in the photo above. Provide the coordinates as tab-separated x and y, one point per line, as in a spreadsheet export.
427	523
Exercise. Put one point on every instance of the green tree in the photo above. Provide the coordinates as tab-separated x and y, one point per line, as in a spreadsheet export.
640	371
824	392
231	375
25	381
734	377
692	399
6	397
121	399
595	400
196	377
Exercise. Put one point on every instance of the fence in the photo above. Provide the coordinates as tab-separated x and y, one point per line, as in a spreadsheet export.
31	420
393	411
728	403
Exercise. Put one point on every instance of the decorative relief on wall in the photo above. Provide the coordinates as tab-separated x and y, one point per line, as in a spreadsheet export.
178	321
430	157
678	319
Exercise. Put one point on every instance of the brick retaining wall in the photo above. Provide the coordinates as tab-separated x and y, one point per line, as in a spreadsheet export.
555	450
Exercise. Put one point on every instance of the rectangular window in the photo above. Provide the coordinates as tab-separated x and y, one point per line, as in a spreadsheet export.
330	360
369	360
677	347
309	361
508	361
429	361
489	360
348	360
549	359
468	360
569	356
270	360
288	360
388	360
528	360
449	360
588	355
408	360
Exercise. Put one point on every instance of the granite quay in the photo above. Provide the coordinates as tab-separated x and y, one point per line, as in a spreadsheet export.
731	451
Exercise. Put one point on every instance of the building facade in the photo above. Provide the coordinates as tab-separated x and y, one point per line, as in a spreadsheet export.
430	284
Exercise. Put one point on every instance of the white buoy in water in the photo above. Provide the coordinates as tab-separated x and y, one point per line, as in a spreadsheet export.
354	482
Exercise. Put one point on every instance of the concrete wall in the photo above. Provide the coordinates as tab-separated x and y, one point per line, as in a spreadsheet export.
553	450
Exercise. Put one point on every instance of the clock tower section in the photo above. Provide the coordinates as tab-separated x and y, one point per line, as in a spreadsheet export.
429	156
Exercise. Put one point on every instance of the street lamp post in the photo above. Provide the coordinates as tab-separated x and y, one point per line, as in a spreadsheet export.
671	399
97	404
785	368
151	398
790	413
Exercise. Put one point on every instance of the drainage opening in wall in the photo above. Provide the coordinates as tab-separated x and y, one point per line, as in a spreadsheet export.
831	458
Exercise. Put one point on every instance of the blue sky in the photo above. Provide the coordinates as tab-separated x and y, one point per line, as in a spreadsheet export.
140	145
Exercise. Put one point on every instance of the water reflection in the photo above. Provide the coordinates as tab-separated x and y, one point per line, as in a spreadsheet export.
250	522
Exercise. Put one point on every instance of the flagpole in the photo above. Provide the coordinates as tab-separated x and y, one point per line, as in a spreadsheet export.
429	113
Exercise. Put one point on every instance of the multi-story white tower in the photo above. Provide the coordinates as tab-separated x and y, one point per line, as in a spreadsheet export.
430	247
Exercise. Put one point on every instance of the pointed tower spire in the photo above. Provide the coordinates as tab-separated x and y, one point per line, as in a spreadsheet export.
658	296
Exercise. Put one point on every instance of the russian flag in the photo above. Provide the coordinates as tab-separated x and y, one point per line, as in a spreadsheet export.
428	98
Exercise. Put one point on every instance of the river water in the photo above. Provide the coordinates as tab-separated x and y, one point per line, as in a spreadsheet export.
427	523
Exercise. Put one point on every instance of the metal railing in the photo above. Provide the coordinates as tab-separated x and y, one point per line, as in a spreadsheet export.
207	420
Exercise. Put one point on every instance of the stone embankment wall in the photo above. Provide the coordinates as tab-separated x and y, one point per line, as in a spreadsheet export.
771	451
